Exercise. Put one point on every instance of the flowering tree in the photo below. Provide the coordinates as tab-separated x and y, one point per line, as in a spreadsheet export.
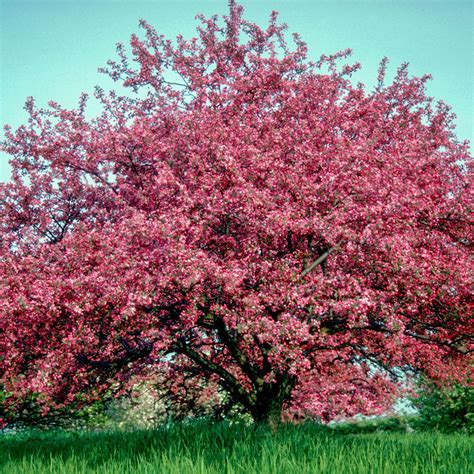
243	217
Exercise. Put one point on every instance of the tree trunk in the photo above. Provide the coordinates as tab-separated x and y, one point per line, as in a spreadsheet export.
270	400
268	412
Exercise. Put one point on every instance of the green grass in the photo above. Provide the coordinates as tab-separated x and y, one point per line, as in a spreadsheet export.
223	449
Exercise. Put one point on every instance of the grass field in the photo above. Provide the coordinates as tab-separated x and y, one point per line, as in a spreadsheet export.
200	448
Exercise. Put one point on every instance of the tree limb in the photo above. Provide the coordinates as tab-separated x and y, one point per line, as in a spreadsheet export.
228	381
321	259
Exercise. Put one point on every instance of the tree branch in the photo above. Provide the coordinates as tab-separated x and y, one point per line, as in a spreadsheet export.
239	356
321	259
143	349
228	381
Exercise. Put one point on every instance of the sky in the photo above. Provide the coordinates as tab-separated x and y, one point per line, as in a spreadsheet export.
51	50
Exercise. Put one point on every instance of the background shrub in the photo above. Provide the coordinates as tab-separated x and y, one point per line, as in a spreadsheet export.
446	409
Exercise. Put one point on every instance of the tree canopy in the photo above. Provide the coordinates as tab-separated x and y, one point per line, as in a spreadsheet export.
241	217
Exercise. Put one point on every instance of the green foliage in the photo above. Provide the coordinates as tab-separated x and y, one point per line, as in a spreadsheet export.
204	448
446	409
28	413
399	424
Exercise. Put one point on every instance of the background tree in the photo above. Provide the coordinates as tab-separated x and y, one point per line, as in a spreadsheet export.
243	217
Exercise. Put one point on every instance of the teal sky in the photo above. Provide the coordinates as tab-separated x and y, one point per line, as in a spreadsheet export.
51	49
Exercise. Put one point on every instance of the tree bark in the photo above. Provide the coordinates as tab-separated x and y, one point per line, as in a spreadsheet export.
268	413
270	400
